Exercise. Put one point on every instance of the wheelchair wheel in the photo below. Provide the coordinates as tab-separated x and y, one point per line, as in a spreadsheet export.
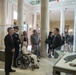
22	62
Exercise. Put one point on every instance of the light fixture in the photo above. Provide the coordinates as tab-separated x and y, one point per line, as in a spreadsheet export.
70	30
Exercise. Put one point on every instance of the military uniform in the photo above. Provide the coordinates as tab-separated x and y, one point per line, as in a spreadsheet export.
16	43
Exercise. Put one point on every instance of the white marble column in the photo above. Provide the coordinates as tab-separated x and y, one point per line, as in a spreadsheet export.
35	21
4	12
3	22
49	20
74	46
20	14
44	25
62	21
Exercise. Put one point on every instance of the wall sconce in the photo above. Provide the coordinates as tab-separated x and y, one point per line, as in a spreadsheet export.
70	30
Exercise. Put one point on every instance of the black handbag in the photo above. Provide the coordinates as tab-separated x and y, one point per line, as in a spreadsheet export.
47	41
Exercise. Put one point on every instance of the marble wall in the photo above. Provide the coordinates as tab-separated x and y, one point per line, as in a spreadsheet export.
28	18
11	7
56	24
0	10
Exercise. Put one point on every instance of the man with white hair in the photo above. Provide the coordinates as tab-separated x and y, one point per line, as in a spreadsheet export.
24	51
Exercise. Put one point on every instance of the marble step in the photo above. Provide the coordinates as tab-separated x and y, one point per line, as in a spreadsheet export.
2	55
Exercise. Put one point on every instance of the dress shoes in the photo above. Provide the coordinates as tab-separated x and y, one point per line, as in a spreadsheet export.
49	56
36	67
15	66
12	70
38	61
7	74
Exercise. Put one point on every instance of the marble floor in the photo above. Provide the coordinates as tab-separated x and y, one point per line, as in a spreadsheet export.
45	65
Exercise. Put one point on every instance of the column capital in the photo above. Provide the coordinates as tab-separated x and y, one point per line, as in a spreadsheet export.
63	9
34	13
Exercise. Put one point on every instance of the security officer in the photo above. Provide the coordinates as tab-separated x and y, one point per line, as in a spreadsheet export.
16	44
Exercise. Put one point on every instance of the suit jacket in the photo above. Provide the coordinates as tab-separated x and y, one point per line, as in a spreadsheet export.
56	41
69	39
34	40
9	43
16	40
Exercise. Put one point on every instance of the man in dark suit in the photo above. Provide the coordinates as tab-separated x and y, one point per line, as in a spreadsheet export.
9	49
16	44
57	42
56	39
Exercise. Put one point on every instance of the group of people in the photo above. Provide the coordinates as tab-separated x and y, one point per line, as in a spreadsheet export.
13	42
55	40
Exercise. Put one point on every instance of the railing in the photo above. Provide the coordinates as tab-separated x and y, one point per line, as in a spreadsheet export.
51	0
38	2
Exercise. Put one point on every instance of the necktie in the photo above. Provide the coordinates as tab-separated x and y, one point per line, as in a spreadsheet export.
11	38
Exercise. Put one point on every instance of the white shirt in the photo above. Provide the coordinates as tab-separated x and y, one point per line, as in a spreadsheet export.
24	50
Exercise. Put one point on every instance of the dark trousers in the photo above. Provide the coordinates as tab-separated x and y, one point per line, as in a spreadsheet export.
16	54
8	61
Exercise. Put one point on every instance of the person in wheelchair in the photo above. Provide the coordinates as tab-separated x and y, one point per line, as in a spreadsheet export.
24	51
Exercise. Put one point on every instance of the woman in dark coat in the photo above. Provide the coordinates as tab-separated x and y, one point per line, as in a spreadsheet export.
49	42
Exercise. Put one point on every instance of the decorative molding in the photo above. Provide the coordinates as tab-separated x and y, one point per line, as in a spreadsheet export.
56	5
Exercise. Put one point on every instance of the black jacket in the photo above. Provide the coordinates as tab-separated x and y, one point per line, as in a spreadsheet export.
56	41
9	43
16	40
26	39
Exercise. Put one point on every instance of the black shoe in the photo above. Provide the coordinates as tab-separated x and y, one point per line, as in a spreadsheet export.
49	56
39	57
12	70
7	74
14	66
38	61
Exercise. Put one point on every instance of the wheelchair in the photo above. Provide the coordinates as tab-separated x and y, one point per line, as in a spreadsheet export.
23	61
